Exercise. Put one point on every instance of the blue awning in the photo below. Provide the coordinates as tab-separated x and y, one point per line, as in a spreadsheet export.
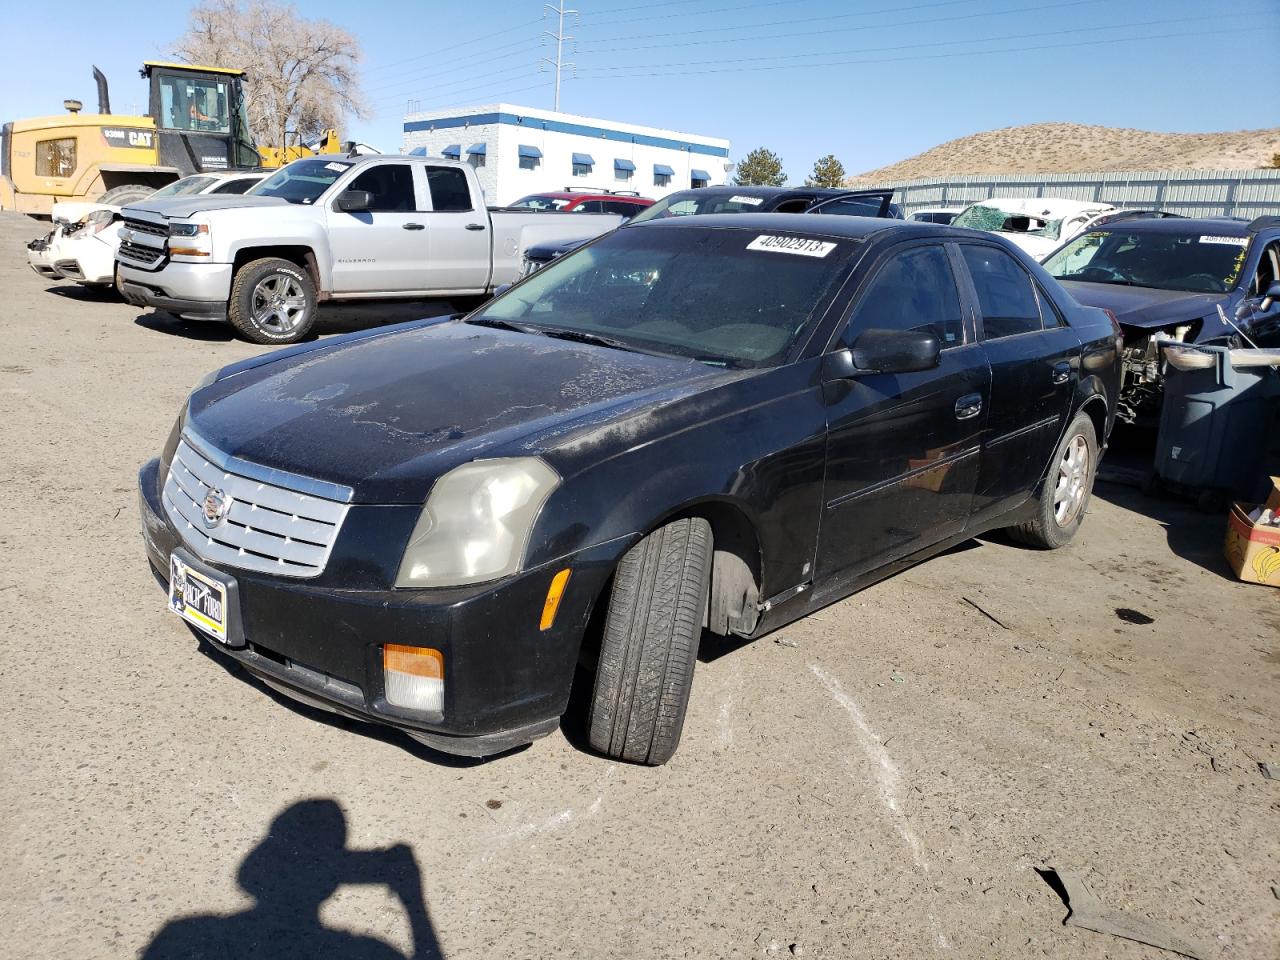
620	164
699	175
583	158
475	150
453	150
418	152
531	152
662	170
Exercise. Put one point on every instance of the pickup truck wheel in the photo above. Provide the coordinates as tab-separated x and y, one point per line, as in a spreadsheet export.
1063	499
650	643
272	301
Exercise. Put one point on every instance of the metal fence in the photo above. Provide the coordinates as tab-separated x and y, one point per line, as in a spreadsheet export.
1192	193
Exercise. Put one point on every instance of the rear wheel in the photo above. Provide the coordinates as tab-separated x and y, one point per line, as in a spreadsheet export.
126	194
272	301
650	643
1064	498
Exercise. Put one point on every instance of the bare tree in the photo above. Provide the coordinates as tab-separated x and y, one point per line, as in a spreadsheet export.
302	74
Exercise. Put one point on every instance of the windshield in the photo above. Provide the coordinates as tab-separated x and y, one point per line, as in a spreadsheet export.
302	181
183	188
1198	263
981	217
731	297
541	203
697	202
195	103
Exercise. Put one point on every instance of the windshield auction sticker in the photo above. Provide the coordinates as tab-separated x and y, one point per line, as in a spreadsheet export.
749	201
797	245
1229	241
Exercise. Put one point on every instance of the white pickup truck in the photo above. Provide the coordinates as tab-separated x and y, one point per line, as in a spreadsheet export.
325	228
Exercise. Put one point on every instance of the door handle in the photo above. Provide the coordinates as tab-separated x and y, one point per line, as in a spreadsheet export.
1061	372
413	226
475	226
969	406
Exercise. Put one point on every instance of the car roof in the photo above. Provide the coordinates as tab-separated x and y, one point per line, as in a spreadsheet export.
1215	226
853	228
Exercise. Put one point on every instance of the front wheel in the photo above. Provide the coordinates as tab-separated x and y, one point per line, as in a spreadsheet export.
273	301
1064	497
126	194
650	643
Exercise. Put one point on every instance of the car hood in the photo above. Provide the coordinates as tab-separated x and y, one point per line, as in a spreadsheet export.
1145	308
181	207
388	414
554	248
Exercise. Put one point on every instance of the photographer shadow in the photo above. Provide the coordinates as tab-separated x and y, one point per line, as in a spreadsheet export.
300	864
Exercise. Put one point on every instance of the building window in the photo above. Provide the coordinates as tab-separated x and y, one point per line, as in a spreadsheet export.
530	157
476	159
662	179
582	164
699	179
622	176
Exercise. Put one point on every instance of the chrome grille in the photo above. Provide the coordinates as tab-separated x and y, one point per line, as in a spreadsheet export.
145	226
132	251
268	527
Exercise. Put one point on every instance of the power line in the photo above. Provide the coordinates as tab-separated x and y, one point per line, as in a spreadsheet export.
470	81
417	80
809	55
935	56
485	37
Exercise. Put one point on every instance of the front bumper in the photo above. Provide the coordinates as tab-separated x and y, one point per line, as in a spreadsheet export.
319	641
194	291
88	260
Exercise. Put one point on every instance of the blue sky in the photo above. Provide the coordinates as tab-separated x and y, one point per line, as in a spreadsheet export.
872	81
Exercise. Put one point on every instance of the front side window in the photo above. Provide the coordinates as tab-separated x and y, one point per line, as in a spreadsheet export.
303	181
727	297
1165	260
1006	296
391	185
195	104
449	190
915	290
236	185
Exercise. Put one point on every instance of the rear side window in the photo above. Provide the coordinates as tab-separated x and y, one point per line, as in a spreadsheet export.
238	185
449	191
391	185
915	290
852	207
1005	294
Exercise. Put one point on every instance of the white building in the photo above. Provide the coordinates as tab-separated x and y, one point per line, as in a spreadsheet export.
522	150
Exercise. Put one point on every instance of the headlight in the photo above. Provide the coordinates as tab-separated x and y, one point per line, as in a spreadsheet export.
189	240
476	522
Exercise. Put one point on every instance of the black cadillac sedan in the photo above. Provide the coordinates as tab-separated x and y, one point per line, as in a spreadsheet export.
705	423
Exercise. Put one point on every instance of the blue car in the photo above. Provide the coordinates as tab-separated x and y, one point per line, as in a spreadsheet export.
1183	279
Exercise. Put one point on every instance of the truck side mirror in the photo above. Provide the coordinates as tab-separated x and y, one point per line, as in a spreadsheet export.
355	201
1270	297
1246	309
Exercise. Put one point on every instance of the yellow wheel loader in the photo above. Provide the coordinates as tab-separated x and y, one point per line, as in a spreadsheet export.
196	122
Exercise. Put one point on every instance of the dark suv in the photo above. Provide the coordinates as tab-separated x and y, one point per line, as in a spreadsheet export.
719	422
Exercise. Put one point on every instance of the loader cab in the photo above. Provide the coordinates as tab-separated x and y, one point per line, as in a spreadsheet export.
200	117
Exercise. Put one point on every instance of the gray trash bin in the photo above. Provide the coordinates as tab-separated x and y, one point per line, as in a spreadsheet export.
1217	428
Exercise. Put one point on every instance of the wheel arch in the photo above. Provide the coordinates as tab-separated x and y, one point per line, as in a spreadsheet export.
299	254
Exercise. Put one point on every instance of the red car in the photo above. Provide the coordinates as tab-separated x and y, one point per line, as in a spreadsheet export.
626	205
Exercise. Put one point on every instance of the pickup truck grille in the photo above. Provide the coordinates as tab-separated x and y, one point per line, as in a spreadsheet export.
143	242
266	527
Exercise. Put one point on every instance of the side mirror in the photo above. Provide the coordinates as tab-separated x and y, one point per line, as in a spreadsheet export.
355	201
894	351
501	288
1246	309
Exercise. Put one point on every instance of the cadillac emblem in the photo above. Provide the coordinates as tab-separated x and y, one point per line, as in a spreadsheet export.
216	505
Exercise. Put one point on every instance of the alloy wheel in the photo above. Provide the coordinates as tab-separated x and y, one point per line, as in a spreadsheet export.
278	304
1073	481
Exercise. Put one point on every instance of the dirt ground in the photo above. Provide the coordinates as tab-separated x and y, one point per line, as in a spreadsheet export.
883	779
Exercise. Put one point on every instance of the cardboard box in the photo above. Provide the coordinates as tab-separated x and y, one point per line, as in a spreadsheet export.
1253	549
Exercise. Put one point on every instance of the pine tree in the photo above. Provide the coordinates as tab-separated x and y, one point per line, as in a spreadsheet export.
827	172
760	168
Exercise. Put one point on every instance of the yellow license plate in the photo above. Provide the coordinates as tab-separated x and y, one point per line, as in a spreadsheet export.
198	599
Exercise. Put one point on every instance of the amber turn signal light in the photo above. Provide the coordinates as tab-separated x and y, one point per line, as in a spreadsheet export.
554	593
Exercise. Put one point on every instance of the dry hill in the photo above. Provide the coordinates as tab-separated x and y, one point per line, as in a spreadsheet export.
1075	147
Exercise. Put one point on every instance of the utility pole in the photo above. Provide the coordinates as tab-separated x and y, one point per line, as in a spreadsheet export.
559	37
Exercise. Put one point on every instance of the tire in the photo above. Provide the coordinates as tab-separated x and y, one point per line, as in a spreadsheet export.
650	644
126	194
273	301
1060	509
